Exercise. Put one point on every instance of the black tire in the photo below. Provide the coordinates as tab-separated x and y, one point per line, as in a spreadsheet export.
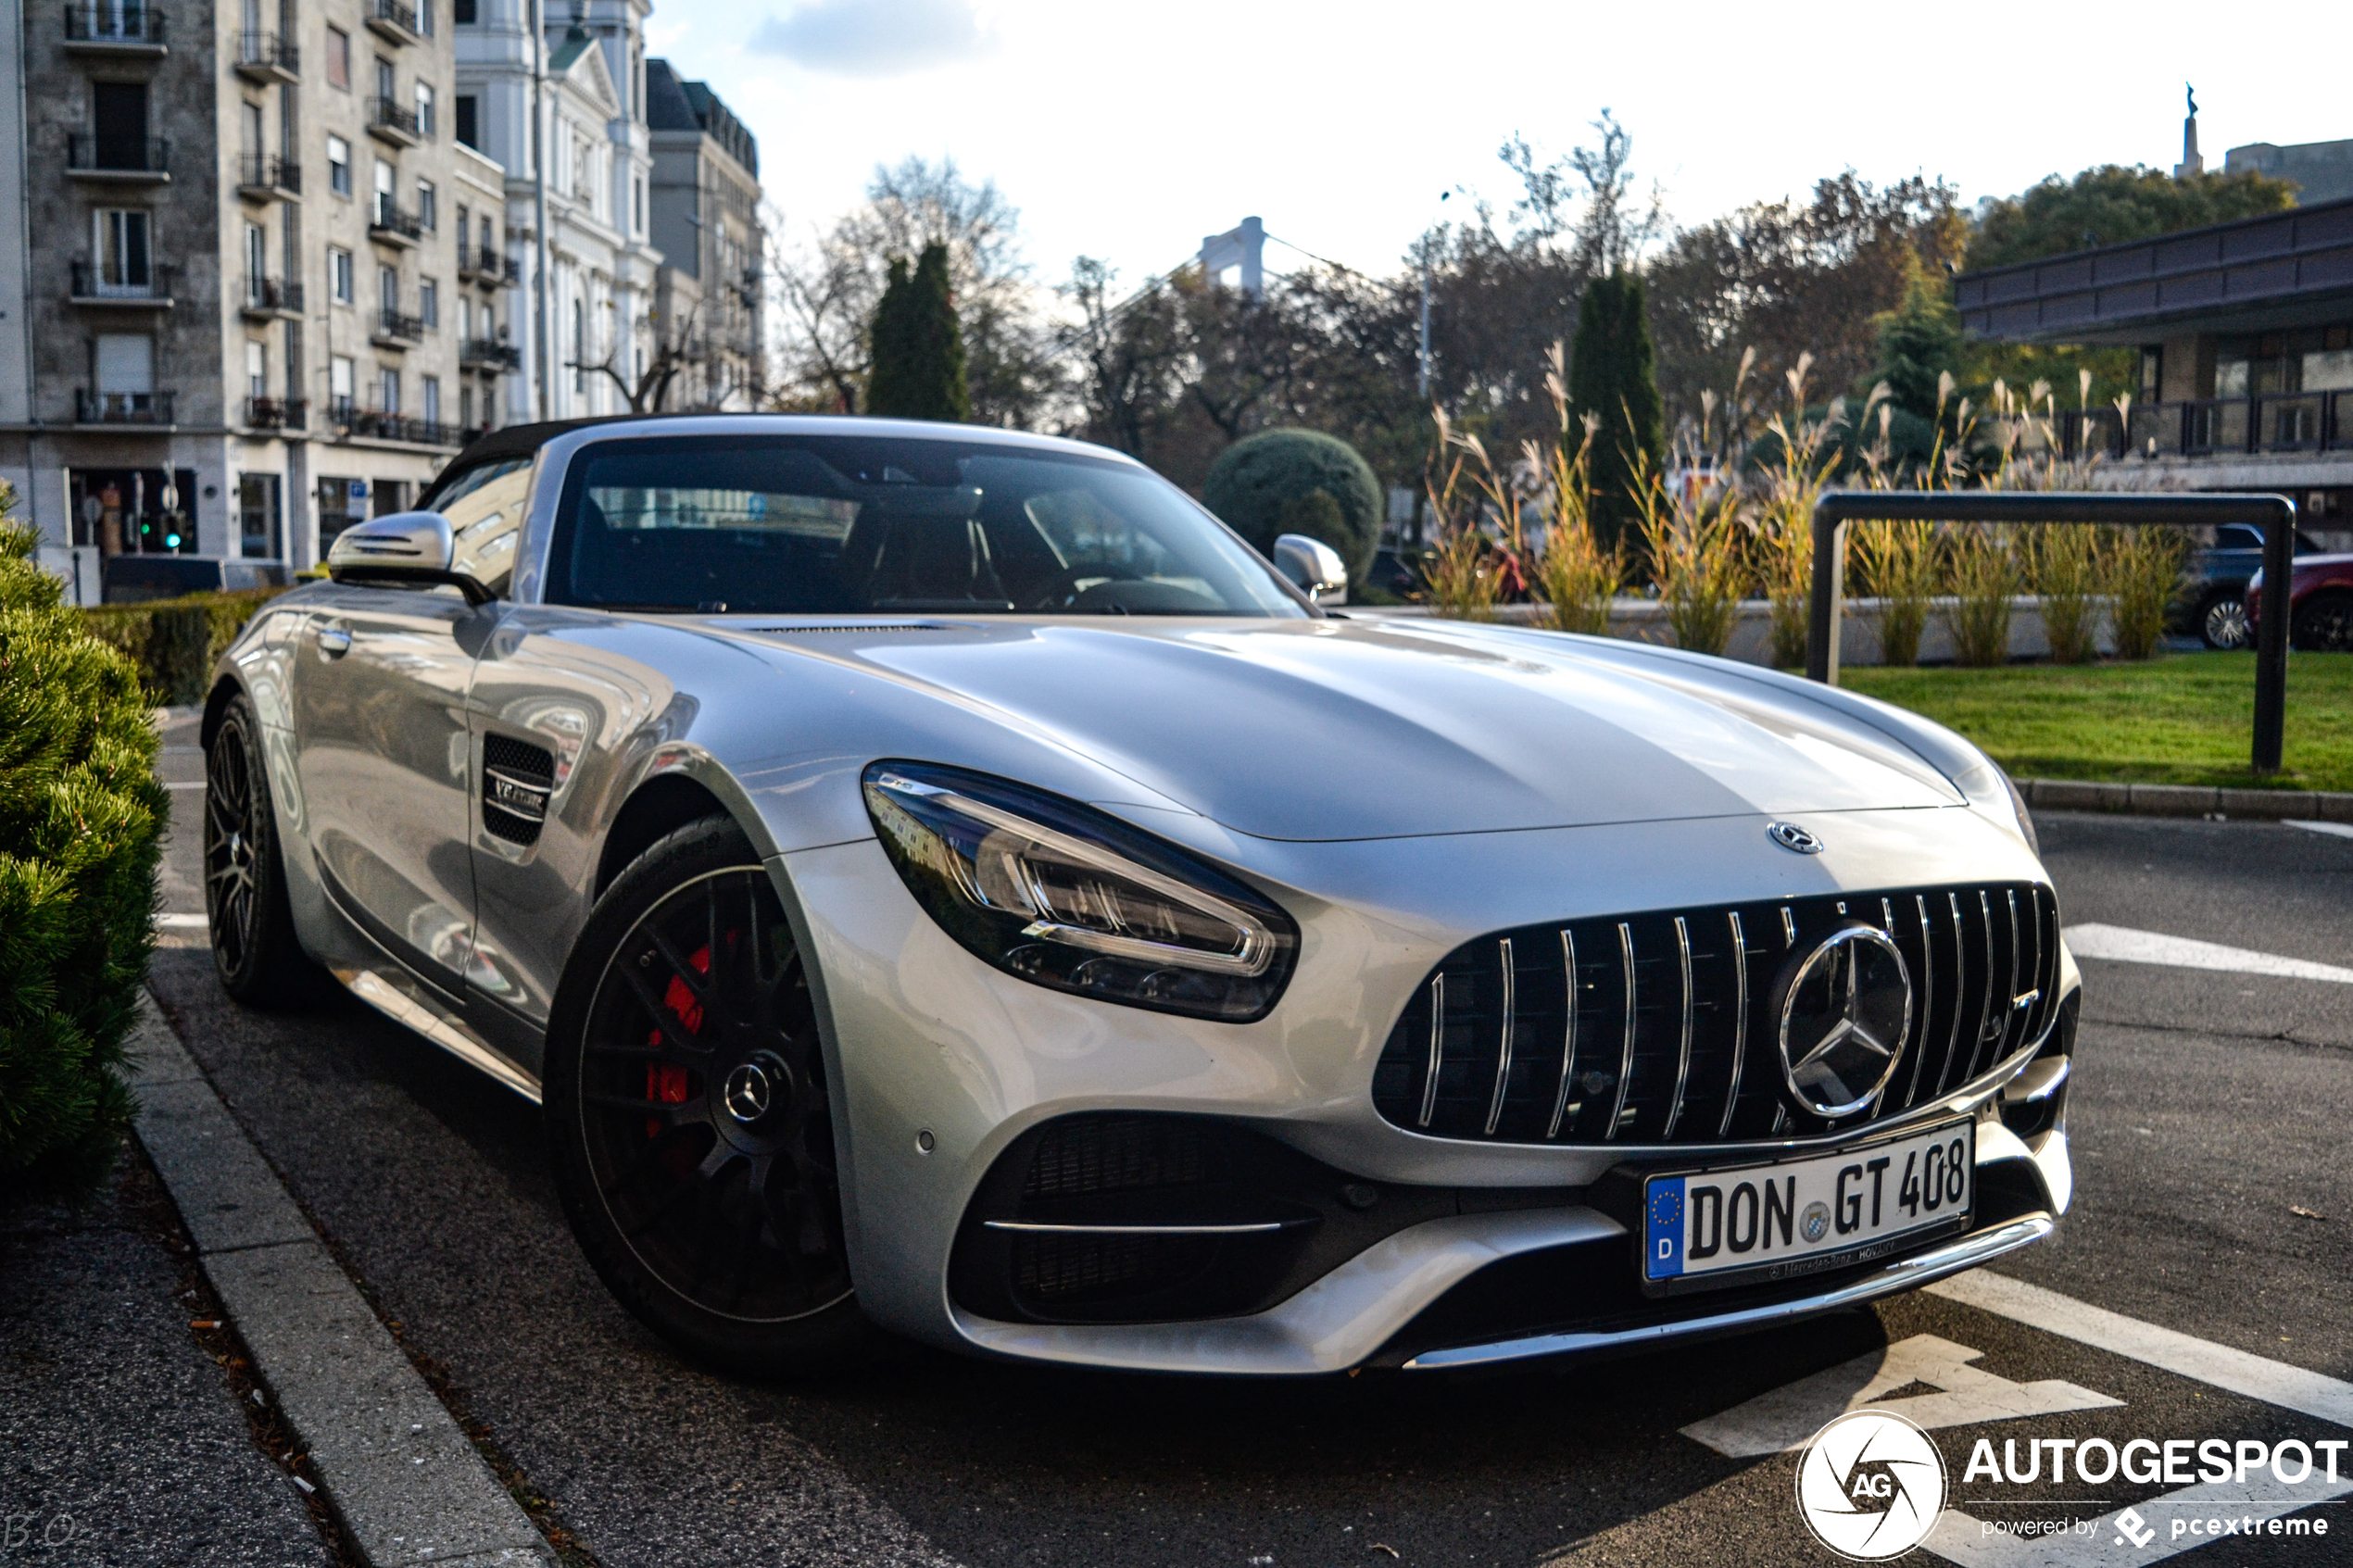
2323	623
251	923
690	1123
2220	621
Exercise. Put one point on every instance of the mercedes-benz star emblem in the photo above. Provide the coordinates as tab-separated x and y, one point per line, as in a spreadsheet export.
748	1093
1846	1012
1790	837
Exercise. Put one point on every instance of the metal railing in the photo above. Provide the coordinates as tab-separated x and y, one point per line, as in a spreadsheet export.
121	407
407	19
267	171
2275	513
277	413
491	352
377	424
272	293
2286	422
393	324
390	116
107	155
389	220
111	24
268	51
90	282
483	264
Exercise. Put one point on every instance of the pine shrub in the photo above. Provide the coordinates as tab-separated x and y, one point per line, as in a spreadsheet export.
80	817
917	347
1613	376
1262	487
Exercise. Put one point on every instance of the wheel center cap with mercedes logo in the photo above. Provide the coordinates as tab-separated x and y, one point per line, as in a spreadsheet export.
1844	1014
750	1091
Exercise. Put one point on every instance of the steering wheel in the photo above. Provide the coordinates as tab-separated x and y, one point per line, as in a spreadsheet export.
1065	587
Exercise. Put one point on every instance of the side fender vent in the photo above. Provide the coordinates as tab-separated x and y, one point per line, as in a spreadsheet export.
517	780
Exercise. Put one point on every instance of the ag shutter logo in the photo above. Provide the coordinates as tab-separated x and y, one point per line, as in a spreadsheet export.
1870	1486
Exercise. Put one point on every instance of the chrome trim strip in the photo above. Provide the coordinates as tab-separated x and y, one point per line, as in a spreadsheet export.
1568	1034
1504	1056
1961	978
1789	927
1985	1008
2040	1081
446	1032
1966	1252
1031	1228
1928	996
2017	944
1740	1023
1437	1044
1683	1051
1626	1059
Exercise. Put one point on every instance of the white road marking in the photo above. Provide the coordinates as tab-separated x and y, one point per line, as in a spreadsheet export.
1958	1538
2124	944
2202	1361
1785	1417
181	922
197	784
2342	829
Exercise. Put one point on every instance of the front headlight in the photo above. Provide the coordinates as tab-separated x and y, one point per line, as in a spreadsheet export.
1988	783
1067	897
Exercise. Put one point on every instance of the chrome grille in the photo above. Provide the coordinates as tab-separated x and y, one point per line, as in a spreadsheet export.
1667	1036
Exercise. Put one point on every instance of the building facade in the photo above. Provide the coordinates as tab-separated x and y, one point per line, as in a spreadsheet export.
245	331
2246	338
706	224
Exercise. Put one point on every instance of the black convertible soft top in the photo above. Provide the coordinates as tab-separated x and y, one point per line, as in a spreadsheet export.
521	441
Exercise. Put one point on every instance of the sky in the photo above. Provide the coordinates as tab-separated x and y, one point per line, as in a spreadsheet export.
1128	131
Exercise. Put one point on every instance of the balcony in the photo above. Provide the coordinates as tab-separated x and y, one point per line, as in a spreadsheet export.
115	30
268	299
266	56
393	329
264	177
489	354
121	407
91	288
277	413
389	122
2214	427
393	227
401	24
122	161
372	424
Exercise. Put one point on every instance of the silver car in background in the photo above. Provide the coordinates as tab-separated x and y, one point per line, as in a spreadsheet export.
941	883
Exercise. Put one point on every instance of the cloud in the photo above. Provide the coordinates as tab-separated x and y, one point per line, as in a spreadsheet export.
876	37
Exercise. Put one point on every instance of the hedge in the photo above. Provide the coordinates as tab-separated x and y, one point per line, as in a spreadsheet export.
81	819
173	643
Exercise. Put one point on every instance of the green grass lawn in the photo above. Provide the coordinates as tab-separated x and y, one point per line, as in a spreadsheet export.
2183	719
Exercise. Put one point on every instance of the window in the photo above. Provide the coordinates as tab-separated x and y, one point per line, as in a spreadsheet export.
386	83
339	275
257	515
293	359
338	59
388	205
465	406
428	205
125	366
122	253
256	261
288	119
579	347
339	165
250	120
388	289
461	12
429	302
468	126
429	399
638	211
424	109
465	317
339	386
584	178
118	115
388	388
487	245
465	232
257	369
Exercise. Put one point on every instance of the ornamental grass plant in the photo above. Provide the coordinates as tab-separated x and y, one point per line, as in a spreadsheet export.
1463	573
1695	540
2140	573
1575	576
2063	560
80	817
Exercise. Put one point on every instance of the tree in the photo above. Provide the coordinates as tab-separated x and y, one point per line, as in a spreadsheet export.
1298	481
917	347
2112	204
1613	377
1920	343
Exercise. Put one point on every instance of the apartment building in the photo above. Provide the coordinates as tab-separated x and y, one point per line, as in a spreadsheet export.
707	225
244	292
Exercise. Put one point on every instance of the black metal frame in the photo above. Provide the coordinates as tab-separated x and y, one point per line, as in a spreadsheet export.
1836	509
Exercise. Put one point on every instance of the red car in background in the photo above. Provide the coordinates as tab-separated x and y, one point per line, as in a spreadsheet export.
2319	600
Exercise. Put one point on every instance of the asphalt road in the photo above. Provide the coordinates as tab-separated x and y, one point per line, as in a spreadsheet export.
2208	1107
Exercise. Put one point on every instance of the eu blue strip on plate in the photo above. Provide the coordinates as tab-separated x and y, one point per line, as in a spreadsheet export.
1665	1259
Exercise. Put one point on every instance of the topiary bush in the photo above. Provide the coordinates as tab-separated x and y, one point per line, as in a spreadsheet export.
173	642
81	816
1266	484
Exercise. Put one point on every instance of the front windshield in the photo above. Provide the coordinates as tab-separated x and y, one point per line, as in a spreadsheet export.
851	525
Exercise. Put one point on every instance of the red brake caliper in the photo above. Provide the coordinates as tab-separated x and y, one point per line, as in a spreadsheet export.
664	1082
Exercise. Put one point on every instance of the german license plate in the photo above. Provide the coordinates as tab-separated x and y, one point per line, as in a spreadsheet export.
1793	1217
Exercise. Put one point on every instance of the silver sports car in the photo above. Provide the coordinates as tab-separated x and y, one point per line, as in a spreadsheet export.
942	883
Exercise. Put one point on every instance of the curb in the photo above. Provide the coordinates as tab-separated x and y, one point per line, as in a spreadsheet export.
2187	801
407	1483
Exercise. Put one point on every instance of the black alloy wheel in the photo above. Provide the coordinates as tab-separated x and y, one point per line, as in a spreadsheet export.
691	1117
2222	622
2325	624
254	946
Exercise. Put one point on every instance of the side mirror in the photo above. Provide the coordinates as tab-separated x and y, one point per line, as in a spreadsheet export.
406	549
1313	567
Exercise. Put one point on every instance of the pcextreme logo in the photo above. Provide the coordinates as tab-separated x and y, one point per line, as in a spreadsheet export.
1870	1486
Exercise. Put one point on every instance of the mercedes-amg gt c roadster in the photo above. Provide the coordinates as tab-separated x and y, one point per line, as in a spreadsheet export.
941	883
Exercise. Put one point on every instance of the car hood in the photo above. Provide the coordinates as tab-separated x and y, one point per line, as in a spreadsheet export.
1326	730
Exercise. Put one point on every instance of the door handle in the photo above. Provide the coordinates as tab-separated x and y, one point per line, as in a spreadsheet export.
333	641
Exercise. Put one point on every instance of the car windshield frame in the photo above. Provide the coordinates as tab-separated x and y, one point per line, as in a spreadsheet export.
849	498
